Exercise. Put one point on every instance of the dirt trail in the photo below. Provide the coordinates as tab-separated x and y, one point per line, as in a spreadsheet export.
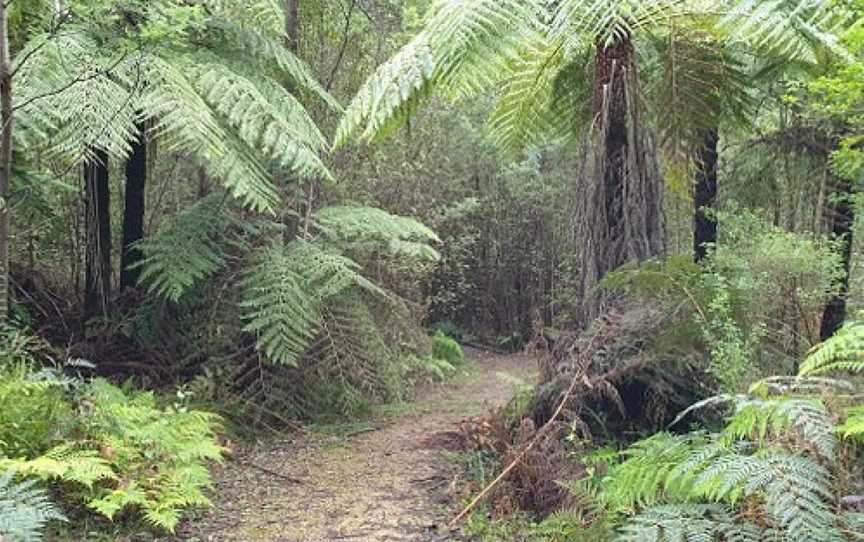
385	483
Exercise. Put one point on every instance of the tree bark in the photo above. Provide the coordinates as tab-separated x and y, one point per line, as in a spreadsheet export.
705	194
843	220
133	211
97	280
618	216
6	117
292	25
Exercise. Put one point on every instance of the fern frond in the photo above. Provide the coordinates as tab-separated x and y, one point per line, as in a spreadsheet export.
267	118
853	426
532	107
842	352
372	229
66	462
97	108
186	123
790	29
608	21
278	308
464	47
25	510
188	250
689	522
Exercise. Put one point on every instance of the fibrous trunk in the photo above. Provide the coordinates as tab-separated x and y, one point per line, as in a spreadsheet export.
133	211
843	219
618	214
97	280
704	195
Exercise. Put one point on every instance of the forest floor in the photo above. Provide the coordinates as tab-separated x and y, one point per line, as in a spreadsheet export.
384	479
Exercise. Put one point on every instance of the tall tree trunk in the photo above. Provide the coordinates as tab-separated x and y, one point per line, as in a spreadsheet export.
292	25
843	219
133	210
705	194
618	215
97	280
6	117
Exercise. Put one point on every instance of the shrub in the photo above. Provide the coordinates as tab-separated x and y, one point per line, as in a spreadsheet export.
126	453
445	348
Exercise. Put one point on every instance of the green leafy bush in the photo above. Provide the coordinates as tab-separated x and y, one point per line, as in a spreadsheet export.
116	448
447	349
158	454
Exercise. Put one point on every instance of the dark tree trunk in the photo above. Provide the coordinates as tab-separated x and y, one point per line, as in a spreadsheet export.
705	194
617	216
97	280
292	25
612	65
843	220
133	211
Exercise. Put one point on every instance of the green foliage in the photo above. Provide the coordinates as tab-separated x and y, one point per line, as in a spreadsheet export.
445	348
160	454
844	351
34	412
115	449
25	510
368	230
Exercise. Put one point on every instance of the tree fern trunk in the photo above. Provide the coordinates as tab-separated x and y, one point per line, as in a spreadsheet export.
6	119
704	225
97	280
133	210
843	219
618	214
292	25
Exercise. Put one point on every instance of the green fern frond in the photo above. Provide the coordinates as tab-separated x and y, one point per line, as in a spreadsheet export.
690	522
372	229
188	250
186	123
532	109
266	118
608	21
464	47
25	510
853	426
66	462
842	352
793	29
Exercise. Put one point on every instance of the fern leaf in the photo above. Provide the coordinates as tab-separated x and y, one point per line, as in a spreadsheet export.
25	510
842	352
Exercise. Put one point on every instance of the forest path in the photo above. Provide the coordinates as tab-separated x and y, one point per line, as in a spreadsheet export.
386	482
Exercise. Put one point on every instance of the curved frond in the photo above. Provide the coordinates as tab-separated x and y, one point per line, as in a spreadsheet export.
842	352
606	21
266	118
792	29
186	122
464	47
25	510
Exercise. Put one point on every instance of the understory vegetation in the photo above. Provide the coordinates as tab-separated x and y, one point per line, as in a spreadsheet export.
222	221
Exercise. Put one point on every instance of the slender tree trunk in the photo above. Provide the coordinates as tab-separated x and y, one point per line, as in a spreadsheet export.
292	25
97	280
133	211
6	117
842	215
705	194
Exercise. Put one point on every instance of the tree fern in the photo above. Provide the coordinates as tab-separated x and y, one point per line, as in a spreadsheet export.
25	510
